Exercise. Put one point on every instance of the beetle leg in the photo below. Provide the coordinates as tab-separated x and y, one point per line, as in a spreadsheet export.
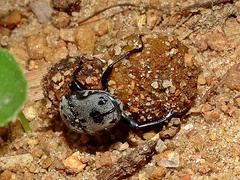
170	115
76	85
109	69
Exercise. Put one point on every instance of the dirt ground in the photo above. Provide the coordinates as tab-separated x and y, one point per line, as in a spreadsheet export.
204	144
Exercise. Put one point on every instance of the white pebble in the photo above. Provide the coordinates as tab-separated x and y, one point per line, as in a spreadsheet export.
155	85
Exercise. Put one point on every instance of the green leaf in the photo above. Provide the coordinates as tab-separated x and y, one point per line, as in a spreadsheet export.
13	88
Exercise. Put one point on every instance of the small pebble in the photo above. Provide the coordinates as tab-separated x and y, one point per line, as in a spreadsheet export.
101	28
224	106
166	83
191	133
117	50
32	65
119	146
212	137
32	143
188	127
60	19
49	30
201	79
7	175
141	21
86	40
216	40
155	85
206	107
14	163
36	45
152	19
237	100
123	146
4	31
30	112
232	79
89	80
149	135
19	54
12	19
160	146
188	59
237	4
158	173
213	115
173	20
169	132
185	176
56	52
28	176
105	159
67	34
200	43
142	176
37	153
209	80
72	48
73	163
42	10
46	163
134	139
167	159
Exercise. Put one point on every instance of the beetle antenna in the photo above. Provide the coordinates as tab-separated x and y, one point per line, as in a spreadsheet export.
109	69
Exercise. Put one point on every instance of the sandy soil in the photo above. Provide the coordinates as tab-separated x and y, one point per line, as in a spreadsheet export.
204	144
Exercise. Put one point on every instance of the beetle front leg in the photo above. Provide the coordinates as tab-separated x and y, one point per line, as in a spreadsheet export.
76	85
109	69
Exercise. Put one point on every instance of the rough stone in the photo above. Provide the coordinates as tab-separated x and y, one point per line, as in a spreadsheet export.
158	173
167	159
149	135
73	163
12	19
213	115
232	79
42	10
36	45
86	40
160	146
14	163
216	40
105	159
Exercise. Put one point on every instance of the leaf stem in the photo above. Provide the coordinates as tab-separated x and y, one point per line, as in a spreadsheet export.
24	121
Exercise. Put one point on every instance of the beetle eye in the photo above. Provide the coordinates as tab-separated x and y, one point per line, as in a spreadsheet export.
102	101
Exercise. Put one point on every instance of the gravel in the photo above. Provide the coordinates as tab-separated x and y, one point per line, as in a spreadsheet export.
204	144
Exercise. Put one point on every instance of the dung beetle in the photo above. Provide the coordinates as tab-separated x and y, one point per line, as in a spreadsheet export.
93	111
